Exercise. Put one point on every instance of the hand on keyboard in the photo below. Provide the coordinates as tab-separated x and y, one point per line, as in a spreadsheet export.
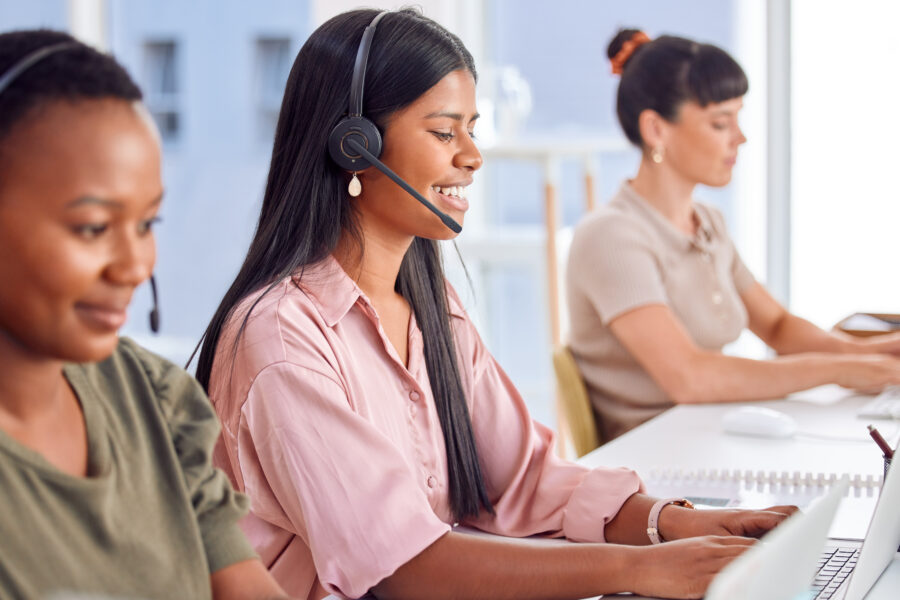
865	373
885	405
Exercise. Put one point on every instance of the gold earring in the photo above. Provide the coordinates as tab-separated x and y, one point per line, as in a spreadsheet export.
656	155
355	187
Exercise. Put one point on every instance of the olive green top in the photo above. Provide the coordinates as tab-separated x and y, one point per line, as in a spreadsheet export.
152	519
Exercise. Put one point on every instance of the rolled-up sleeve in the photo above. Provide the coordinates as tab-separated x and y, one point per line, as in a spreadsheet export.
332	478
614	266
533	490
194	428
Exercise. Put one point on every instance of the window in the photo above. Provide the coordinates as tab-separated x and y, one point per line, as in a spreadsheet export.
843	161
162	87
207	77
545	85
273	60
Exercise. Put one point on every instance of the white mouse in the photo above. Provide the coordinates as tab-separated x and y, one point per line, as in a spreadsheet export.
759	421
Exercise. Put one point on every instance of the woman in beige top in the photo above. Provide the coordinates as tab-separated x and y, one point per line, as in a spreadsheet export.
655	285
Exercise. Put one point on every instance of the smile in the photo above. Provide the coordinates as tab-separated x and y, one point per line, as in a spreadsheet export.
453	196
102	318
456	191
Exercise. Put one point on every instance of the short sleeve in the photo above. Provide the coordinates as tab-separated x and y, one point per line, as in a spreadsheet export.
612	263
743	278
533	490
194	429
740	274
320	470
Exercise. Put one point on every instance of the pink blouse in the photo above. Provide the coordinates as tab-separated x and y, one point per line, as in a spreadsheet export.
339	446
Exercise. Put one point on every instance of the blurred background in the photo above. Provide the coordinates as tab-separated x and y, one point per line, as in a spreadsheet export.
813	206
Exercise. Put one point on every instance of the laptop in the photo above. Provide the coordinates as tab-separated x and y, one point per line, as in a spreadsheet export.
780	567
788	558
873	555
782	564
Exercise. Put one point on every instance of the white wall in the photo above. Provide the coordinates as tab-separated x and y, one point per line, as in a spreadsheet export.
462	17
846	203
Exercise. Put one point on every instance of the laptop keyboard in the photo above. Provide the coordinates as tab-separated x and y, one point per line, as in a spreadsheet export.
885	405
835	566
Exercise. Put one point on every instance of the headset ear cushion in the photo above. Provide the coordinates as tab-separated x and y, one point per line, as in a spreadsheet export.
364	131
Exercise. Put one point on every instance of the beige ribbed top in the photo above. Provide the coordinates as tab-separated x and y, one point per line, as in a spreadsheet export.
626	255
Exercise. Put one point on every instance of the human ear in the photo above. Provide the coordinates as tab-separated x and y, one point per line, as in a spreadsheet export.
652	128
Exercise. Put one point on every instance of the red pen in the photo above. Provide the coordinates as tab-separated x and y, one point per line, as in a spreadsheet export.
885	448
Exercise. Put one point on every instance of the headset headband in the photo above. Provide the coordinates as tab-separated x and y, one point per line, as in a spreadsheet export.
359	69
29	60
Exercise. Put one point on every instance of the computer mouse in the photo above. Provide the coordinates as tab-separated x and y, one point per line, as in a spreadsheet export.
759	421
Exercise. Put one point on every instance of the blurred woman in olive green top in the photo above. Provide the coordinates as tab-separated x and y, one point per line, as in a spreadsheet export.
105	476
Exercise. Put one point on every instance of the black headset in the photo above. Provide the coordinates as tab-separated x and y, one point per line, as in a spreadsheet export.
29	60
7	79
355	126
355	142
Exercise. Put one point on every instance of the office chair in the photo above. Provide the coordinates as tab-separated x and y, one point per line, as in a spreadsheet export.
576	405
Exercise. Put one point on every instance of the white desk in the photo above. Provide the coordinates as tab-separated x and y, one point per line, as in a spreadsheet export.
691	437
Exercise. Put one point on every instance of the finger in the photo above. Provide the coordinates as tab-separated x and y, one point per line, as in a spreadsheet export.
785	509
724	555
733	540
730	554
759	522
869	390
761	525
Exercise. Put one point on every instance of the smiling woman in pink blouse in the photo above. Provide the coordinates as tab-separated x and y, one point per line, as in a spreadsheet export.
361	411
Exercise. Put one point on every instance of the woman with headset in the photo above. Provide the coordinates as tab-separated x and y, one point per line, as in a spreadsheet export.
361	411
106	477
655	285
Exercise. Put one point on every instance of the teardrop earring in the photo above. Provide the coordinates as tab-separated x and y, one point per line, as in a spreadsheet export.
355	187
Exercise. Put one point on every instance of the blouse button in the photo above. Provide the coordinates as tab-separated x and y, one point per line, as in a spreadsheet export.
412	410
717	298
414	395
431	481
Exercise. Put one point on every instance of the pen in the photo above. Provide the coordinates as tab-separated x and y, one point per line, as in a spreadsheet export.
885	449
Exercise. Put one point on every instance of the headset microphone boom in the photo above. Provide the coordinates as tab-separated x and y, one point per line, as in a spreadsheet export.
355	142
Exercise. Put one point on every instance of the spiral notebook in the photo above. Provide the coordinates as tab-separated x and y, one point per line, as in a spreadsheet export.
724	488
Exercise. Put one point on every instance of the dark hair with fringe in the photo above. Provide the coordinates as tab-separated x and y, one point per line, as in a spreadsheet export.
662	74
73	74
306	207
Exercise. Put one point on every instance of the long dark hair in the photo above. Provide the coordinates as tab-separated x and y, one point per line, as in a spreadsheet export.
306	207
76	73
664	73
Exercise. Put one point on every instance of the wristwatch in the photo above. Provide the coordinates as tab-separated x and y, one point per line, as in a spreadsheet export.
653	519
